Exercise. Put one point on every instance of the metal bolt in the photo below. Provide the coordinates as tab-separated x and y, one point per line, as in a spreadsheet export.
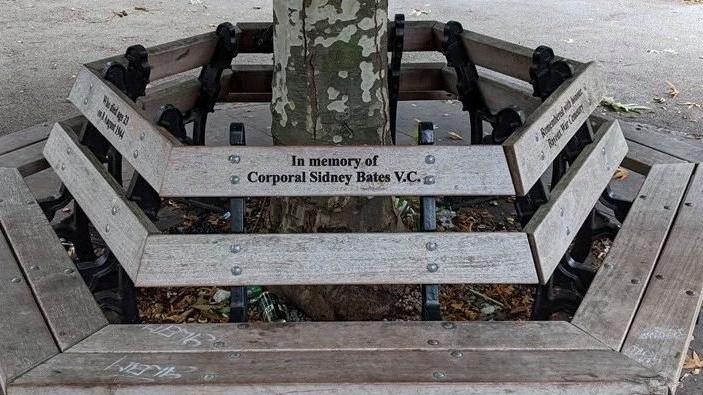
29	201
433	342
635	281
107	228
432	268
236	270
218	344
457	354
439	375
115	210
430	159
235	159
234	179
448	325
135	154
234	248
85	101
690	293
608	265
233	355
541	155
431	246
429	180
16	280
69	150
568	231
209	377
63	166
561	211
603	151
69	271
667	208
34	267
142	135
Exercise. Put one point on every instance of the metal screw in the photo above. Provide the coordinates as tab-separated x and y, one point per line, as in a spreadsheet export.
541	155
209	377
603	151
234	179
135	154
29	201
63	166
233	355
430	159
457	354
16	280
433	342
448	325
635	281
69	150
439	375
429	180
107	228
34	267
115	210
235	159
236	270
142	135
234	248
608	265
431	246
85	101
218	344
432	268
69	271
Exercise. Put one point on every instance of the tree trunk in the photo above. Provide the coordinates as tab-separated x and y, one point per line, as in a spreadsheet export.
330	87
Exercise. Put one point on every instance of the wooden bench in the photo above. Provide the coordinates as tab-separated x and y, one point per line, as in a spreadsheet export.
619	346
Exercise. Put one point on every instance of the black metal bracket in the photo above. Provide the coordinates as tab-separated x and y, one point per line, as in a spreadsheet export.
431	307
211	76
133	79
239	300
396	43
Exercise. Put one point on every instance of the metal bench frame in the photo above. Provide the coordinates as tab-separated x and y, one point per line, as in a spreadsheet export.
633	343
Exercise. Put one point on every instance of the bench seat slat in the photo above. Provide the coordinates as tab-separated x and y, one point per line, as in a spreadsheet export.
66	302
662	328
614	296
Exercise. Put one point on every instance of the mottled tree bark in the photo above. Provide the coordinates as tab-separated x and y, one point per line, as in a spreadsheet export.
330	87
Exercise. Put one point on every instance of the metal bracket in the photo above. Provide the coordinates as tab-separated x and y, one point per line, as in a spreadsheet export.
431	308
239	300
396	43
133	79
210	78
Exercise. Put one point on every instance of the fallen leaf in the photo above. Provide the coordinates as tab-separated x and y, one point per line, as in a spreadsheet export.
673	91
693	362
455	136
614	106
621	174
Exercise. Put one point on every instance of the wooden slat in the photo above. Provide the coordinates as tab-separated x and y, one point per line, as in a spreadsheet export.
532	149
454	170
378	258
405	372
339	336
66	302
612	300
25	341
24	138
663	325
127	128
687	149
120	222
641	158
28	160
555	224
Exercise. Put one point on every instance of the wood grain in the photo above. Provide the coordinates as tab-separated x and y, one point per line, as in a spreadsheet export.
454	170
124	125
25	340
28	160
339	336
531	150
663	325
592	372
342	258
122	225
555	224
614	296
70	310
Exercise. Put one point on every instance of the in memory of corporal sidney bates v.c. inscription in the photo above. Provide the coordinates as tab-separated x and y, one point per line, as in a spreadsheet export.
334	171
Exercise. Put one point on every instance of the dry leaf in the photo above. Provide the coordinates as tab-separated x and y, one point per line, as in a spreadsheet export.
455	136
621	174
693	362
673	90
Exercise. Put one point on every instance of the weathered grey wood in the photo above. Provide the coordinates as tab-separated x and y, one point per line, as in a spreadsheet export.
688	149
641	158
365	258
663	325
24	138
127	128
612	300
345	372
555	224
339	336
28	160
532	149
68	306
207	171
25	341
119	221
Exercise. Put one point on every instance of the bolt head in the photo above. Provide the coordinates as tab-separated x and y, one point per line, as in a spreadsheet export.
432	268
107	228
115	210
448	325
234	248
135	154
433	342
142	135
457	354
568	231
69	271
234	179
234	355
69	150
430	159
236	271
16	280
439	375
541	155
235	159
431	246
430	180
